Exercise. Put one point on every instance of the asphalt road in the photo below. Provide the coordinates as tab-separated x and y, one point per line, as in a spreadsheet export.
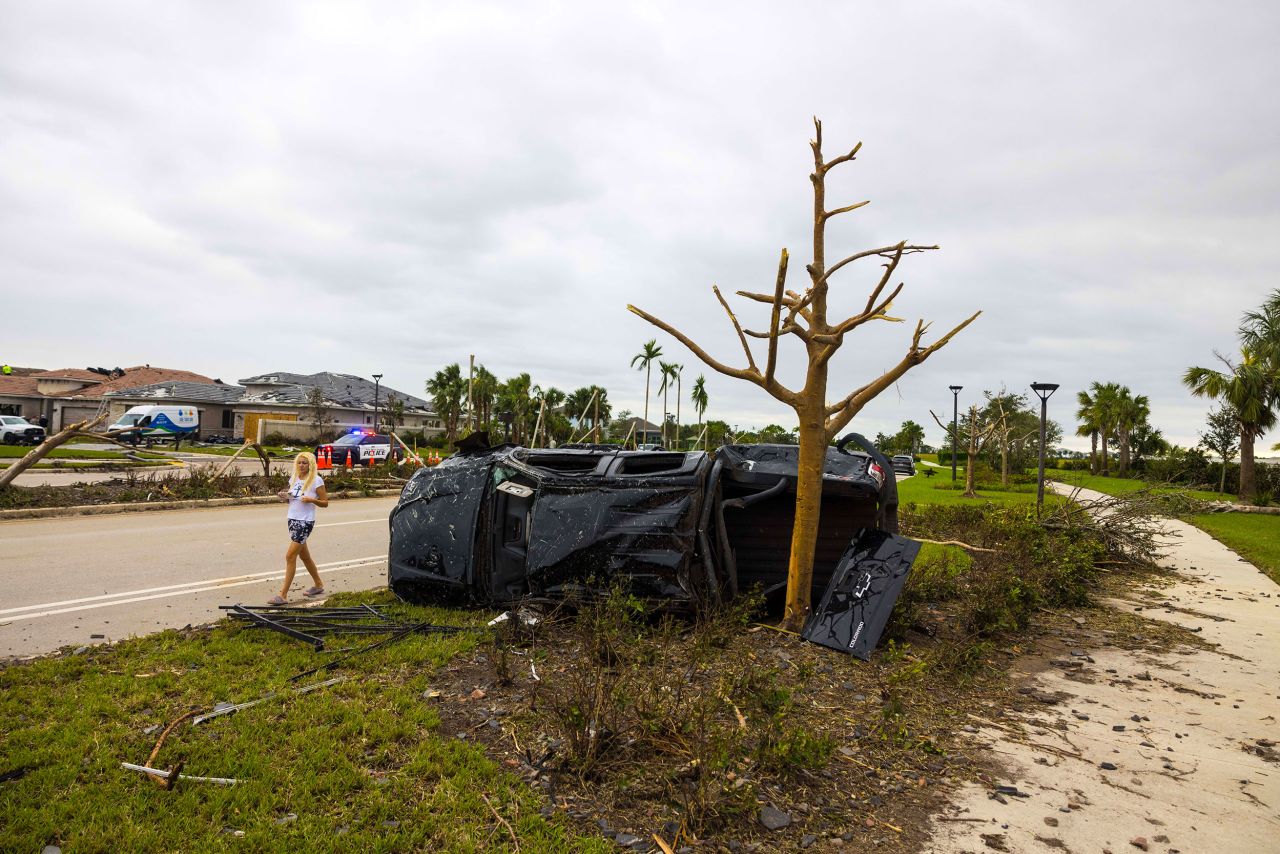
64	580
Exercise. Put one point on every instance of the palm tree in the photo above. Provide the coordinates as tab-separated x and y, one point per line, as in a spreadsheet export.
666	370
1252	387
679	380
1131	413
448	388
1106	415
645	357
600	411
484	390
1087	414
699	398
1260	330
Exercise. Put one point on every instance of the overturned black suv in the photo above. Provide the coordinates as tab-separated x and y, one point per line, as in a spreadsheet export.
686	530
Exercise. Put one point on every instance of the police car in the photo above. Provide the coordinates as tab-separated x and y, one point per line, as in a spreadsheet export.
363	447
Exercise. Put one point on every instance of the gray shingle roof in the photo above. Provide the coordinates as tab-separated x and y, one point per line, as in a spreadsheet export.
339	389
183	391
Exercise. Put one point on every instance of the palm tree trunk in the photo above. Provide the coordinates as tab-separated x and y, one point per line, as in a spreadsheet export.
1093	452
1247	485
664	417
1124	452
678	412
1106	465
647	370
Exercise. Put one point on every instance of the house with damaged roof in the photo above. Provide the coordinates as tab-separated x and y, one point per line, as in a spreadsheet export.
67	395
281	403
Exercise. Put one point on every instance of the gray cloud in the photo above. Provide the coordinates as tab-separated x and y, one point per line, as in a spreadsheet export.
235	188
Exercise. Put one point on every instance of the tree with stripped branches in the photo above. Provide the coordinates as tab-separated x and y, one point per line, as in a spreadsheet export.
805	315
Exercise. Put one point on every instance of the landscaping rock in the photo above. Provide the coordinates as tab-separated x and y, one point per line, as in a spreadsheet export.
1108	766
807	840
774	818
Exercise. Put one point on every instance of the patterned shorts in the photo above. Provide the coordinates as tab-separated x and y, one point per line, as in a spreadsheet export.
299	530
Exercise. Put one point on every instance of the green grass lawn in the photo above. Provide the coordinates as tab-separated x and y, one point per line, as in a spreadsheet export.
1254	536
919	489
362	765
1122	485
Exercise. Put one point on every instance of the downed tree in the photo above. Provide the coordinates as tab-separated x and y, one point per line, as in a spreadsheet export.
805	316
40	451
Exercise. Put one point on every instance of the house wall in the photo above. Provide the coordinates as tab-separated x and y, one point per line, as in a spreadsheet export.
30	408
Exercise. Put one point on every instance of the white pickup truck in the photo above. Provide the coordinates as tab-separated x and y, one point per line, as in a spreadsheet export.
15	430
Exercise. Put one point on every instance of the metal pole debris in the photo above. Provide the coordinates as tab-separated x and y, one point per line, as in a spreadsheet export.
156	772
232	709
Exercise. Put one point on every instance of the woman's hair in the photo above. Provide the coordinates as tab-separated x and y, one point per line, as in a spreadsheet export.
311	470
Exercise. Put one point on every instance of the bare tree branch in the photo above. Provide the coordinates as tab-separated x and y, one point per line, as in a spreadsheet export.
746	348
775	316
740	373
845	209
883	251
844	411
798	331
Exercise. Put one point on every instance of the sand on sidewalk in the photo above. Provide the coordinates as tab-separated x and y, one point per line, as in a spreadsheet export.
1193	735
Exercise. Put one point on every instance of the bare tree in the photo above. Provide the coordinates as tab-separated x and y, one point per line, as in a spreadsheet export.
804	315
978	435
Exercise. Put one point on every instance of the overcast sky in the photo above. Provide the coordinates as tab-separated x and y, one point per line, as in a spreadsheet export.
236	188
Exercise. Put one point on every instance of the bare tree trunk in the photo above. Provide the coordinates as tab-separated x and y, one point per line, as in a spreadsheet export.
972	463
1222	482
1247	484
804	535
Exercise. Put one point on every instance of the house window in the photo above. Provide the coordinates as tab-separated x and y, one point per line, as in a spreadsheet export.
228	419
10	409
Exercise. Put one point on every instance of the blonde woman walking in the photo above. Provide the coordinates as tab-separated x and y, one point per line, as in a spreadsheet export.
306	492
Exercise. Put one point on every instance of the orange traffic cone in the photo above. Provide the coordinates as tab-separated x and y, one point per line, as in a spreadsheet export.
350	454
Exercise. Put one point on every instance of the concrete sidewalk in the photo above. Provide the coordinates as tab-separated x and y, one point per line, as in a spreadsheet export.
1189	737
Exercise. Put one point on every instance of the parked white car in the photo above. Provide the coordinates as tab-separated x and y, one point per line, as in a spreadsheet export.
15	430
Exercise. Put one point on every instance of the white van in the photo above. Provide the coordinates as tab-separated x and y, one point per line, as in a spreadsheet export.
160	423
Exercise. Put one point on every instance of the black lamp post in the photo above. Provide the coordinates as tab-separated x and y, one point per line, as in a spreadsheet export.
1043	391
377	380
955	425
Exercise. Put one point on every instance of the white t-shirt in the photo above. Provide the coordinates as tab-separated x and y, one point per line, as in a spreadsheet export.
299	509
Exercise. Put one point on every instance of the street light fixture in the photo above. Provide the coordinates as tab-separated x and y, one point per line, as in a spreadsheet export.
955	425
1043	391
377	380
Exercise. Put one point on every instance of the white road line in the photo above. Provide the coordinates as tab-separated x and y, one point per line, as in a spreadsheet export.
356	522
280	574
212	583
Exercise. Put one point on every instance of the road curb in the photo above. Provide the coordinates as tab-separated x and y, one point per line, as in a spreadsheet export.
141	507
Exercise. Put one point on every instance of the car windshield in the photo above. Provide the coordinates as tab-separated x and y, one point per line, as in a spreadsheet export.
349	439
13	419
128	420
